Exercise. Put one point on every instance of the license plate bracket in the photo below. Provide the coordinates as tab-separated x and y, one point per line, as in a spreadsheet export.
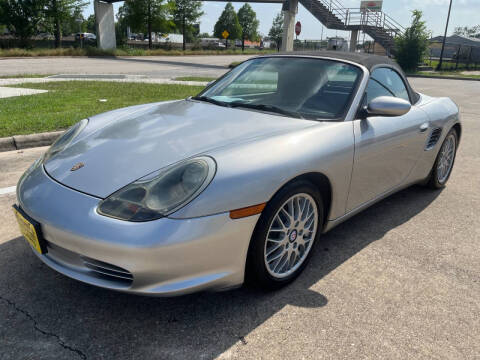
31	230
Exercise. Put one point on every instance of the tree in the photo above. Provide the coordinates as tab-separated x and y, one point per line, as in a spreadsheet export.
412	45
21	17
59	12
185	14
74	23
249	23
473	31
228	20
276	31
147	16
90	24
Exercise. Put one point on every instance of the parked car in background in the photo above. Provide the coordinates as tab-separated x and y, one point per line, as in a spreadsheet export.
45	36
211	43
87	38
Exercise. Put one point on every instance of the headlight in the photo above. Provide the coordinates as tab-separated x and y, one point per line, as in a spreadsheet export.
65	139
161	193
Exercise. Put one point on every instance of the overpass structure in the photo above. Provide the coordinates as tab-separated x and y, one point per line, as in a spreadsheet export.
331	13
105	24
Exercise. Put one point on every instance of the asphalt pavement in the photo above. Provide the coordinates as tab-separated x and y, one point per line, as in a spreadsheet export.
400	280
153	66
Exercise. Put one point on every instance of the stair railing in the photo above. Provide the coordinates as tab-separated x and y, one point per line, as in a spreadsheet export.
363	17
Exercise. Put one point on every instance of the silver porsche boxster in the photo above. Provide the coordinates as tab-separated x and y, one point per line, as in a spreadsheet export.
237	183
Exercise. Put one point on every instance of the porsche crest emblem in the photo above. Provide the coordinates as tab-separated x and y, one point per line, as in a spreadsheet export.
77	166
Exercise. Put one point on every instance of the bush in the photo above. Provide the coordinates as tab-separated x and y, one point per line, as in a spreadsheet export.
412	45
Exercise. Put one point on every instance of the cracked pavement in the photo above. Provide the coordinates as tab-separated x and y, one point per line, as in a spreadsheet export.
38	329
400	280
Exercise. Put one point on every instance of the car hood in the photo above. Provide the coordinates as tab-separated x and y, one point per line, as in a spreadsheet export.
122	146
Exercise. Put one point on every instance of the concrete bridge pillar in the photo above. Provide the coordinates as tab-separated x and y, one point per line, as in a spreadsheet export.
105	24
290	9
353	40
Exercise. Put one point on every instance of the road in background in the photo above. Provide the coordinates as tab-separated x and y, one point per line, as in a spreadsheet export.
153	66
400	280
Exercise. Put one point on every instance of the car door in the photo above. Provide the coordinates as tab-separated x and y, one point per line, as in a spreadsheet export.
386	148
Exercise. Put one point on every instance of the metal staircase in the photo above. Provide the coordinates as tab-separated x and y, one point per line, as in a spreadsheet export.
378	25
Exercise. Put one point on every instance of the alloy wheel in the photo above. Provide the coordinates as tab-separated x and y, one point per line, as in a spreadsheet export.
445	162
290	236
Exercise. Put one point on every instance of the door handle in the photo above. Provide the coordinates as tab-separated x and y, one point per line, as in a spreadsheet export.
424	127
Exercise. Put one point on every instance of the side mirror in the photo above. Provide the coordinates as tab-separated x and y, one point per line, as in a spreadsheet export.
388	106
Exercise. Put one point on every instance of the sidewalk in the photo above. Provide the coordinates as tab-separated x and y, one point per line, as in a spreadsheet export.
6	92
99	77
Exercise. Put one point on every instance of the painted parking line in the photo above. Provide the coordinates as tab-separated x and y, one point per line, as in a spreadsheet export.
8	190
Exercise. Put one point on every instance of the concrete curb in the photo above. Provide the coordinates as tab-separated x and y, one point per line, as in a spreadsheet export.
19	142
7	144
443	77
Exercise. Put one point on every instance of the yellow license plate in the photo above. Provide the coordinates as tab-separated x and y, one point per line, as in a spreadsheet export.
29	231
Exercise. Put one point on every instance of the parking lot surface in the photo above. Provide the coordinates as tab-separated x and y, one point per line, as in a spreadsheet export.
153	66
399	281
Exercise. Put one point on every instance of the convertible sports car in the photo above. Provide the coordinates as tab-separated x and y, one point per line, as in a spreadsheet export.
237	183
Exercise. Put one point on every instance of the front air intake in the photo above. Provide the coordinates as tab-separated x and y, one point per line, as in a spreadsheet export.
433	138
107	271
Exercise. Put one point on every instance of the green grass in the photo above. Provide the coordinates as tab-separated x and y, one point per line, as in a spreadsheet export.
194	78
233	64
446	74
69	102
450	65
123	51
24	76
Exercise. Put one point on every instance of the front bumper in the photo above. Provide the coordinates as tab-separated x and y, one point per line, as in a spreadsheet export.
165	257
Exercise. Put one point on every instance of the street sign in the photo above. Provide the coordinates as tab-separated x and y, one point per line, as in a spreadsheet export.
225	34
371	5
298	28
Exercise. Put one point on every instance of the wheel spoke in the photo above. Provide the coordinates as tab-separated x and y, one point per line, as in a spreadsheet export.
281	221
277	256
273	249
281	262
302	212
291	211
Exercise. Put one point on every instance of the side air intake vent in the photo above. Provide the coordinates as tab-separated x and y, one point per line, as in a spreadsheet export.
433	138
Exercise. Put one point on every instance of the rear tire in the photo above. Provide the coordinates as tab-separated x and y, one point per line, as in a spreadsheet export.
442	168
284	236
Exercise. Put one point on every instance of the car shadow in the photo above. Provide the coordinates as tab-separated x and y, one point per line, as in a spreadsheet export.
100	323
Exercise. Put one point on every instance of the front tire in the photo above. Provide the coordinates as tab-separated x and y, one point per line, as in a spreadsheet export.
442	168
284	236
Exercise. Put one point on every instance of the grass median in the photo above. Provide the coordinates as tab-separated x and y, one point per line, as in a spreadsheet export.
195	78
68	102
124	51
447	74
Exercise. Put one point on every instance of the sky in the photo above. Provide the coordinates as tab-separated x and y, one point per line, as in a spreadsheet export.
464	13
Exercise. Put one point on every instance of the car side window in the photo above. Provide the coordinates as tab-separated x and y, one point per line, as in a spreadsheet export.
374	90
386	82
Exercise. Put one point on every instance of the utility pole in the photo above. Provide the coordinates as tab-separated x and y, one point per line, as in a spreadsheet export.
184	46
439	67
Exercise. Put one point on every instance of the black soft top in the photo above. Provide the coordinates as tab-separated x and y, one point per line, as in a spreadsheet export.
367	60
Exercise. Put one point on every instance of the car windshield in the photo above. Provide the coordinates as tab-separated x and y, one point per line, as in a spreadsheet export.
293	86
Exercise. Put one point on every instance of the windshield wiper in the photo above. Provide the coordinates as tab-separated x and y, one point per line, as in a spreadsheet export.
265	107
210	100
